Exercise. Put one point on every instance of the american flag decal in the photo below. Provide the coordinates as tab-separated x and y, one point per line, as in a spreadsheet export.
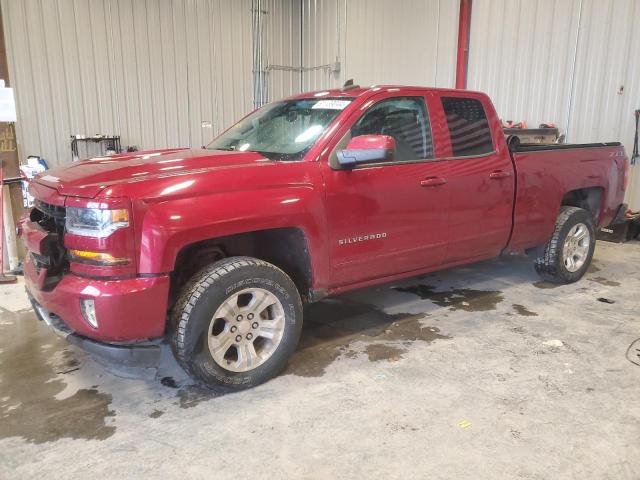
468	126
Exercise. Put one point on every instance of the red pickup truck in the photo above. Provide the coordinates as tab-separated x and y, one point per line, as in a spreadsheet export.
320	193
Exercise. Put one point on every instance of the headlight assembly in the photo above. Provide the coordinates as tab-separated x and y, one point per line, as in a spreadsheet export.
95	222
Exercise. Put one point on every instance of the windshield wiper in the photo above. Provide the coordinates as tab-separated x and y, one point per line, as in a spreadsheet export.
224	149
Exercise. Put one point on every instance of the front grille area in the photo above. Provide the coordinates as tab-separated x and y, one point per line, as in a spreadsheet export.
51	219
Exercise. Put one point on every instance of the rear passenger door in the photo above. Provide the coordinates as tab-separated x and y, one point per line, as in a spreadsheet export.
481	179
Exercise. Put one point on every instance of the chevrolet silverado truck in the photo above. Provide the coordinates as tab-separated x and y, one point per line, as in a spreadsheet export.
217	249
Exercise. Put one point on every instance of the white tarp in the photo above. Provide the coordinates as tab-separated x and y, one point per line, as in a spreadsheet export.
7	104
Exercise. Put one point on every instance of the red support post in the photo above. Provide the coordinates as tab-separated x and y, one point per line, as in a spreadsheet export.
464	30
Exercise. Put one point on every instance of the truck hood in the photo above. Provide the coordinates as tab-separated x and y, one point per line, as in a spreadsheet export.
87	178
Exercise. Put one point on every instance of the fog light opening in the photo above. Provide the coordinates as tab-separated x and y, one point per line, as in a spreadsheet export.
88	309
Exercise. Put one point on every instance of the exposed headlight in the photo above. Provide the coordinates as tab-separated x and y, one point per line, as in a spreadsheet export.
95	222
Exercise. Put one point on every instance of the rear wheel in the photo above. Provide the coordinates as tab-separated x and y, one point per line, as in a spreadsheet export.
236	323
567	255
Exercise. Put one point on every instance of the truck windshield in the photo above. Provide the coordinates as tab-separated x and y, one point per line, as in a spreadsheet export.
282	130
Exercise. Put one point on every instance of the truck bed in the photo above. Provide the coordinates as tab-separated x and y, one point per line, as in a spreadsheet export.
546	174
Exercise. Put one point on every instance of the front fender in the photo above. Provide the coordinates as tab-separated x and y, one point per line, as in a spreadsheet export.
166	227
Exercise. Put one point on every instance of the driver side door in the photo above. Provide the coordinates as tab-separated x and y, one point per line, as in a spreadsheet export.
389	217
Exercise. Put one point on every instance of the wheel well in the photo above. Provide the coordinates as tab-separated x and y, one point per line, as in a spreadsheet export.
589	199
285	248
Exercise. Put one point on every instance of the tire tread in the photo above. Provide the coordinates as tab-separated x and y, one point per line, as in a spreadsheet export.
191	294
547	259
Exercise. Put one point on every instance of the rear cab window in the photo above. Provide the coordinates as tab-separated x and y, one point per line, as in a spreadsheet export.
468	126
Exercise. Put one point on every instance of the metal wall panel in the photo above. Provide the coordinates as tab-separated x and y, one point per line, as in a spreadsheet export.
155	70
521	53
283	47
380	42
561	61
606	88
152	71
322	33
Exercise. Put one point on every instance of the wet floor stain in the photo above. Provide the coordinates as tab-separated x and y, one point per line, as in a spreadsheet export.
604	281
169	382
546	285
380	351
593	268
333	326
191	396
81	416
34	366
524	311
466	299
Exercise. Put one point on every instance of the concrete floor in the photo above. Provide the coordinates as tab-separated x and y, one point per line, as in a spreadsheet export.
478	372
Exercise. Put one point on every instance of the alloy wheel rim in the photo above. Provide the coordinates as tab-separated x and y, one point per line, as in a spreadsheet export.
246	329
576	247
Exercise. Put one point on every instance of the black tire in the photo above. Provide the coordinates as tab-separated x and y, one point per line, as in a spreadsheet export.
549	262
201	298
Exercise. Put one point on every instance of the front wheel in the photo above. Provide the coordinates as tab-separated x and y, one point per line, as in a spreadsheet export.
236	323
567	255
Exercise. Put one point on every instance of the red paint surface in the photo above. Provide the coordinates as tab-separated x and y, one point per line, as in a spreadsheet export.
365	142
33	235
434	214
127	309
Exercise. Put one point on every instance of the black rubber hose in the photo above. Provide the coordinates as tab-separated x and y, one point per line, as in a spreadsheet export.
635	155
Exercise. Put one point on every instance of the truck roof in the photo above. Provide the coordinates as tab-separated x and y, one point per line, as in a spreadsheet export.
358	91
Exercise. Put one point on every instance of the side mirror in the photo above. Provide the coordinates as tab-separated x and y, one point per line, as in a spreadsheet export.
367	149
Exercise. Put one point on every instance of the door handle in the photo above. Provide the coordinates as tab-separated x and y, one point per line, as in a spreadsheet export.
498	174
433	182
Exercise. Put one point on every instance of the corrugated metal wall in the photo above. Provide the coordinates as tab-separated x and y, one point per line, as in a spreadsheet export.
152	71
561	61
323	25
606	88
380	41
283	47
155	70
521	54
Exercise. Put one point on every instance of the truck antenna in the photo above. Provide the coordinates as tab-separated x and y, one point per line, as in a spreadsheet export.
349	85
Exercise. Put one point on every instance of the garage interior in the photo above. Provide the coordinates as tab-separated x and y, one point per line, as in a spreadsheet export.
481	371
